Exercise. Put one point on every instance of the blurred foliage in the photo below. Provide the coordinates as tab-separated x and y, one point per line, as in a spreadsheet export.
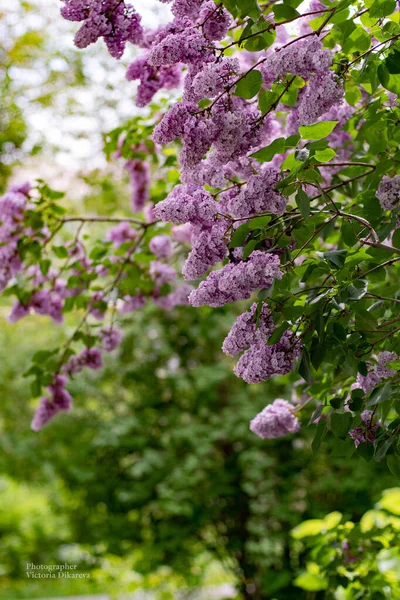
352	560
157	462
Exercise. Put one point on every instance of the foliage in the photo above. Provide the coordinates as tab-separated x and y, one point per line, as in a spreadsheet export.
348	559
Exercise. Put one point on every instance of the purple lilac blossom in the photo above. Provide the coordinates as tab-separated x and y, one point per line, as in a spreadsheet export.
161	273
377	372
161	246
139	172
187	204
322	92
276	420
110	338
260	362
208	248
121	233
259	195
113	20
237	281
245	331
365	432
389	192
152	79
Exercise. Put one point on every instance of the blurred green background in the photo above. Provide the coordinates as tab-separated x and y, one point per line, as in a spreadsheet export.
154	481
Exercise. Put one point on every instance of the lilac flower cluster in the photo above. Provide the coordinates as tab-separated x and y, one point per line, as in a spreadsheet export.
303	58
113	20
140	182
258	195
389	192
161	246
377	372
237	281
365	432
322	93
152	79
247	330
12	211
60	400
260	362
275	421
187	204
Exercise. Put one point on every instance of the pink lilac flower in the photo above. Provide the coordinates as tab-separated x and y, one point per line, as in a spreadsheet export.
187	8
152	79
110	338
260	362
179	297
213	78
172	125
322	92
182	233
237	281
89	357
113	20
149	214
131	303
275	421
49	407
208	248
96	305
48	302
303	58
187	204
139	172
161	274
121	233
377	372
45	412
198	137
161	246
365	432
259	195
246	331
188	46
215	21
389	192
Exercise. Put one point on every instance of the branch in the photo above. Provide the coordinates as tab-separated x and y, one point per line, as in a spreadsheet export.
105	220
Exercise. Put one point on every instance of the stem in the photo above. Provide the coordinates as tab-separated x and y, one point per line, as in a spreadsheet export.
394	37
384	264
383	298
105	220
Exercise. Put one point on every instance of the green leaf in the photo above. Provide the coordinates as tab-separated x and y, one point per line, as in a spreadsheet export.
266	154
318	130
358	41
383	448
382	8
379	394
393	464
249	248
283	12
250	85
389	80
319	435
392	62
304	366
261	38
336	258
340	424
357	290
325	155
60	251
239	236
303	202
